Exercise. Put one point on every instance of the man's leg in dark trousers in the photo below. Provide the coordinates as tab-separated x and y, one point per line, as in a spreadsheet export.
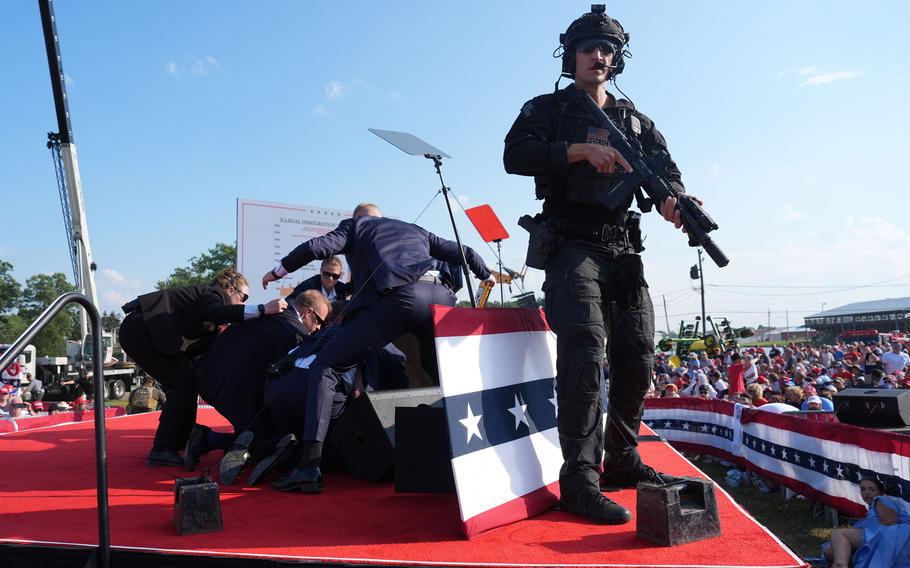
574	311
364	333
631	361
177	377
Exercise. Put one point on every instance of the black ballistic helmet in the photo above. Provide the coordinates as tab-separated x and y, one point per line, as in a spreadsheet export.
595	25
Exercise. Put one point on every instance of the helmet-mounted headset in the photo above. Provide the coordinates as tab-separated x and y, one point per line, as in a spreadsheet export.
594	29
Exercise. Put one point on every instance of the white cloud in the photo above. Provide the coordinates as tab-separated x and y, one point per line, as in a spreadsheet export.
815	76
203	66
394	95
790	214
113	275
321	110
334	90
114	289
193	65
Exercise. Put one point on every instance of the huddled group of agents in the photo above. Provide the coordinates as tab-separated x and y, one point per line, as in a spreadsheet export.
282	411
596	301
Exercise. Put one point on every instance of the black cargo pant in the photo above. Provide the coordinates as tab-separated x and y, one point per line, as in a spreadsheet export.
597	300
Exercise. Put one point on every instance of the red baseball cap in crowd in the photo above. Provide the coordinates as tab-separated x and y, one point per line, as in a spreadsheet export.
762	379
38	405
79	400
809	390
6	389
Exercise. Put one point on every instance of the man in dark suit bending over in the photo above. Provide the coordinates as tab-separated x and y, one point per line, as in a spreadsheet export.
164	331
231	377
390	261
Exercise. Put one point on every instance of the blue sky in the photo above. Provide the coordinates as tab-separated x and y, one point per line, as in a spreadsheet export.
788	119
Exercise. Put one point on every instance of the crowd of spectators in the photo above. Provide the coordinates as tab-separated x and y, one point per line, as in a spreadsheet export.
795	377
18	403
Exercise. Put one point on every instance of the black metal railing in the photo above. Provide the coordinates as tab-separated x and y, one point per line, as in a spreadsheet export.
103	557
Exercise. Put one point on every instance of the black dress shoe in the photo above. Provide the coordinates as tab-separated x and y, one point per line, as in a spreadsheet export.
625	477
235	458
197	446
164	457
281	456
303	479
594	506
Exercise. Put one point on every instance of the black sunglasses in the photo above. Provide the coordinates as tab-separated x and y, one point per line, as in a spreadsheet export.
587	46
316	317
331	275
243	297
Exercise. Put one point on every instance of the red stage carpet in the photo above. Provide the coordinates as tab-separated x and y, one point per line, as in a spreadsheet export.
47	496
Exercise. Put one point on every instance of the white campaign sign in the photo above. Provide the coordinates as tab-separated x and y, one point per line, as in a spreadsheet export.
266	232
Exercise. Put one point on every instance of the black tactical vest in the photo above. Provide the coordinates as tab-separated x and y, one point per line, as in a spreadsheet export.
583	184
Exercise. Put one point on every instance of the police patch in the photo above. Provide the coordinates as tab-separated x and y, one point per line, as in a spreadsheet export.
598	136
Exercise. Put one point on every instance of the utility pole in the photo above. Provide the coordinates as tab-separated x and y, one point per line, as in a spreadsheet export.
769	318
667	317
787	313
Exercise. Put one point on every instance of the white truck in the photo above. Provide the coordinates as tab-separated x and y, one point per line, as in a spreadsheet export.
61	375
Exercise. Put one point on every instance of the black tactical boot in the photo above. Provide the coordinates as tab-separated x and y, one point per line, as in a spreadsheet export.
592	505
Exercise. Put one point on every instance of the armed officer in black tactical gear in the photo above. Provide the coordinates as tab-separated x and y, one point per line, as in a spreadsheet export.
596	294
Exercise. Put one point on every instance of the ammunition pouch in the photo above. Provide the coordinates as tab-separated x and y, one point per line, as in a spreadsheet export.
633	228
543	187
543	239
585	186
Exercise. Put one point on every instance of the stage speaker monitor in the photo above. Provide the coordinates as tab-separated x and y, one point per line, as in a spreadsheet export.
423	462
873	407
677	513
363	437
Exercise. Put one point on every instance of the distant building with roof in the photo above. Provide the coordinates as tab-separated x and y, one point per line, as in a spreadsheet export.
892	314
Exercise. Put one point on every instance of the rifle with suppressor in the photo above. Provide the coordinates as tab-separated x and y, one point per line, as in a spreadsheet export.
644	174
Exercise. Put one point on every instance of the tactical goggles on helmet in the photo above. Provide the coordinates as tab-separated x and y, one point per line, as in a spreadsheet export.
589	45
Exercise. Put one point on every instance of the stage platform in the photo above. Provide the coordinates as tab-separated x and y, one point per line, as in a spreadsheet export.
48	517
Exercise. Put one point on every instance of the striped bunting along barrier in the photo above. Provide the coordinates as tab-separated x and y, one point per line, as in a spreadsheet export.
821	460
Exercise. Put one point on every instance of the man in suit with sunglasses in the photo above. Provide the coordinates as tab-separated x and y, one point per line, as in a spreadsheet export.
328	281
395	266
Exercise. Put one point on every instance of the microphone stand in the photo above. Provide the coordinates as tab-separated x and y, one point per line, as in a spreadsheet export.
437	161
502	297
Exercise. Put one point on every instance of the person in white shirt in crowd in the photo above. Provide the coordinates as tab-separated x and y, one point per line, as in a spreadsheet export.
701	380
720	385
750	371
825	357
895	360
